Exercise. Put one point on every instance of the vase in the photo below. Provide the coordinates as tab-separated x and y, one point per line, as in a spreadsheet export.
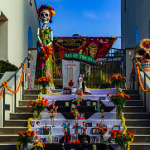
44	91
102	140
117	88
24	147
38	115
121	147
118	113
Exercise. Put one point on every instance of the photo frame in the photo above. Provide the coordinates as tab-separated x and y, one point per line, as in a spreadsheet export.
55	139
48	127
81	115
88	103
66	91
32	123
43	139
74	137
38	131
95	131
37	123
93	139
89	124
116	127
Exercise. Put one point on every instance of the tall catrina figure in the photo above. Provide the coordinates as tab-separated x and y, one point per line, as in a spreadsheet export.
44	70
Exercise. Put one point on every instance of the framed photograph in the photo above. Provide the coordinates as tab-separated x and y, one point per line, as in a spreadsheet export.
93	139
38	123
32	123
43	139
116	127
66	91
95	131
55	139
74	137
39	131
89	124
88	103
47	130
81	115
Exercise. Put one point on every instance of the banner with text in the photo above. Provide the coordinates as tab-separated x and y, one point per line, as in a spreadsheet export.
85	49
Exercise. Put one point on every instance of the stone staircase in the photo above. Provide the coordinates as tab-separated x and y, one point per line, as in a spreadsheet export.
137	121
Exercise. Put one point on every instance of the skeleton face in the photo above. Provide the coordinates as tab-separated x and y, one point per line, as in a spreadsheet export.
45	16
142	53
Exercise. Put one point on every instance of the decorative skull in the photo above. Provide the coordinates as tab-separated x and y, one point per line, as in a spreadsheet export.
45	16
142	53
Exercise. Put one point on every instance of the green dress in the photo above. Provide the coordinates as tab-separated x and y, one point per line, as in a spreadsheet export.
44	68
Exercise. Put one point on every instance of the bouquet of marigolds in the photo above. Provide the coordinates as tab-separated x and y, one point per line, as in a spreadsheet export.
39	106
38	144
26	137
120	138
117	80
102	129
44	81
119	100
44	52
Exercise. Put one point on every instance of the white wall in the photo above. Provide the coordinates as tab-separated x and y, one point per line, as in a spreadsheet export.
20	16
137	13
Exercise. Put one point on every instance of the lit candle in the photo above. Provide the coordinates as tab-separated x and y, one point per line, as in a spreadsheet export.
94	147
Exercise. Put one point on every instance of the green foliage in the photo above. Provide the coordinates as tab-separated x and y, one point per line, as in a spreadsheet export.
96	79
6	66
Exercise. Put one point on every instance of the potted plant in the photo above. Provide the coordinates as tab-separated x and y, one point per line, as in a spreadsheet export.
39	106
26	137
120	138
119	100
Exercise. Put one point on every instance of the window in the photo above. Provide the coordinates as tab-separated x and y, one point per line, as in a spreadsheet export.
125	5
137	35
30	42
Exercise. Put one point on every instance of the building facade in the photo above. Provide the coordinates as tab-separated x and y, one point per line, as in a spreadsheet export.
18	29
135	22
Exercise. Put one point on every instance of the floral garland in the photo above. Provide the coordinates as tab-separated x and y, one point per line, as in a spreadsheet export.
5	83
17	145
125	132
139	78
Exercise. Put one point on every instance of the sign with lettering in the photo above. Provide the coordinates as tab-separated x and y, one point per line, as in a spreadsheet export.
84	49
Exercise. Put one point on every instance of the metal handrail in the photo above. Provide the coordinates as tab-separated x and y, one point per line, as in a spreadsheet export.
14	75
15	72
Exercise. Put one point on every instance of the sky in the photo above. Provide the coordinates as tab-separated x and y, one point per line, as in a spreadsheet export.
86	17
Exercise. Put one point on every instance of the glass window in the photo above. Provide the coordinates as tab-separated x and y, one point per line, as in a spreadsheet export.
30	42
137	35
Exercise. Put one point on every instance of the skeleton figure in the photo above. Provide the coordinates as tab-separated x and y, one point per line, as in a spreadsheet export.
29	78
45	37
102	114
66	129
76	114
142	53
52	117
73	105
84	128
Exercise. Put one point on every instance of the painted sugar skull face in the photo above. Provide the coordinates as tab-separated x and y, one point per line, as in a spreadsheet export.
45	16
93	50
142	53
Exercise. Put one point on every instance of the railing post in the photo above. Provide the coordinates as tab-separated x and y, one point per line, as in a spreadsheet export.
4	107
144	88
15	93
23	87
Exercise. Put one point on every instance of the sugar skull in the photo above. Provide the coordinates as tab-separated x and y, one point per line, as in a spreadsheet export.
142	53
45	16
93	50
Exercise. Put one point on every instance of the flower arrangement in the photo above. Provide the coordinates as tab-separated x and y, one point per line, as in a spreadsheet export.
119	100
39	106
117	80
44	52
120	138
46	130
26	137
79	98
38	144
102	129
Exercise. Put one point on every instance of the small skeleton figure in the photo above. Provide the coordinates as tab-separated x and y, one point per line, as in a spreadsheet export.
132	79
73	105
102	114
81	82
66	129
84	128
30	56
54	107
29	78
76	114
52	117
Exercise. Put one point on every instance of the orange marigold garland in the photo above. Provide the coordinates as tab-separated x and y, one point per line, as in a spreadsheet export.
139	78
5	83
